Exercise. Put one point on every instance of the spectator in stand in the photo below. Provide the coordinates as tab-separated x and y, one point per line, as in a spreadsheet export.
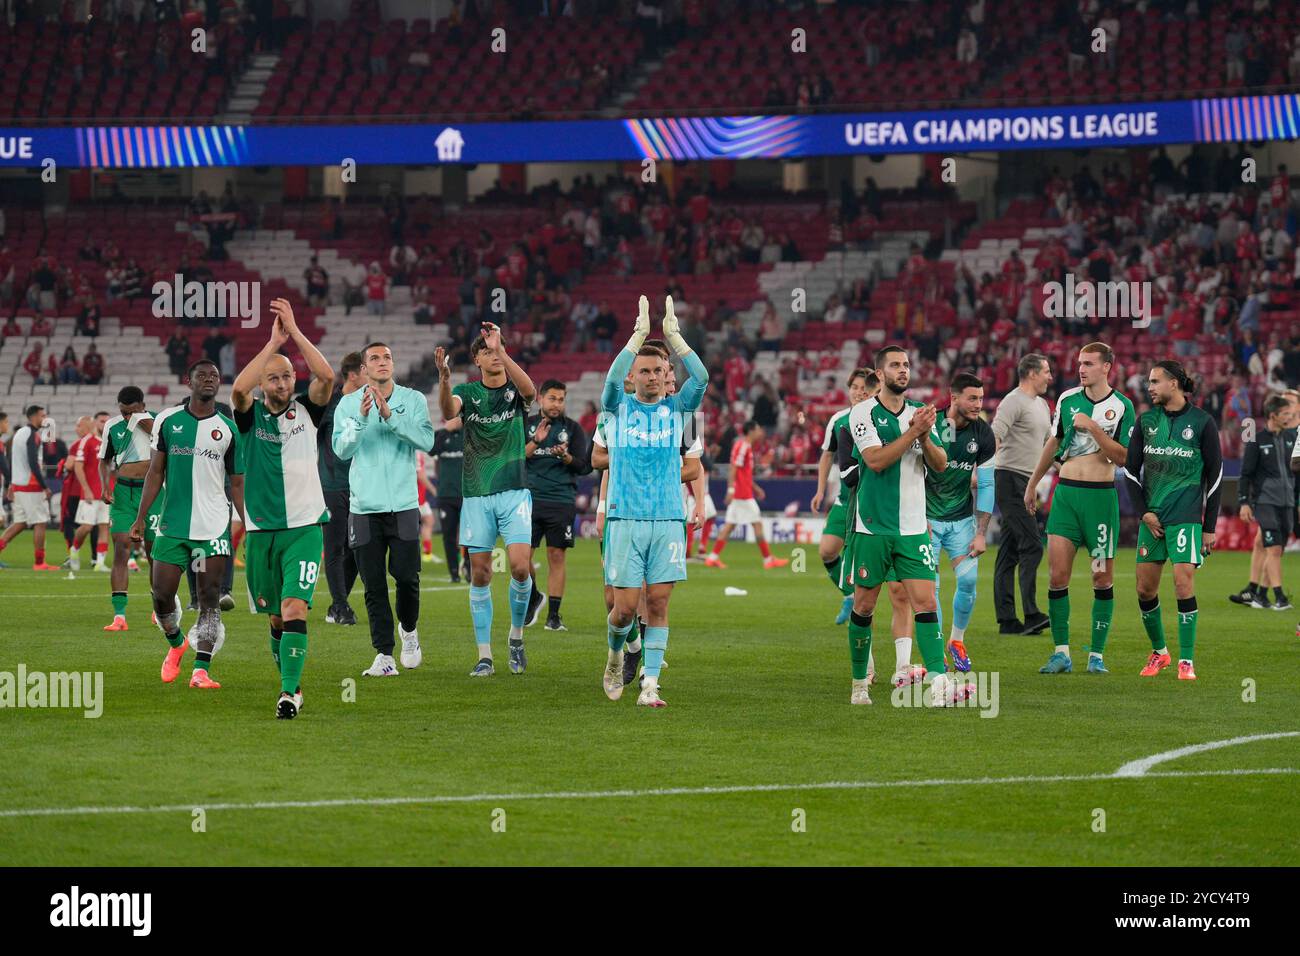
92	366
789	250
967	46
604	329
7	273
376	290
115	280
401	260
835	310
771	329
34	364
11	328
178	354
69	371
318	284
581	317
766	404
422	301
42	327
590	419
88	318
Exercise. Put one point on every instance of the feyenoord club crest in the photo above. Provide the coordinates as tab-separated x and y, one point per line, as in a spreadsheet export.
972	446
563	436
216	434
291	414
261	602
1110	414
1187	434
1142	551
510	394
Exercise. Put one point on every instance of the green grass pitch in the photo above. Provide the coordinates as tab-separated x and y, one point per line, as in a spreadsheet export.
420	767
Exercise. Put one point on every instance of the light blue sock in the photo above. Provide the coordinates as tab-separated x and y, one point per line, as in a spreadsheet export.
938	602
618	636
963	602
520	592
480	611
656	642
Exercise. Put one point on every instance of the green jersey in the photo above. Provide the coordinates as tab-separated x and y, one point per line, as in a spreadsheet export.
1175	467
494	438
549	478
125	441
283	488
449	450
1114	414
831	443
200	453
948	494
891	501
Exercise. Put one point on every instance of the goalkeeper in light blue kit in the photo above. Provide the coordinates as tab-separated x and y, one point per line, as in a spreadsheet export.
960	533
645	518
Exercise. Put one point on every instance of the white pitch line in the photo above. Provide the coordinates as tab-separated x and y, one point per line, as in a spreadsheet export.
1138	768
622	794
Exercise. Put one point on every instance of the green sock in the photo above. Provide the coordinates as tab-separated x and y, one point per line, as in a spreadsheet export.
1058	611
859	644
929	643
833	569
175	640
1154	622
275	648
1103	609
119	603
294	646
1187	615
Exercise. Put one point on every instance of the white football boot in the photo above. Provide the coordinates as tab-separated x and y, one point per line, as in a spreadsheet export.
411	653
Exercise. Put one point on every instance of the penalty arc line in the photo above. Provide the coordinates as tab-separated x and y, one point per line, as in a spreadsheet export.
435	800
1139	768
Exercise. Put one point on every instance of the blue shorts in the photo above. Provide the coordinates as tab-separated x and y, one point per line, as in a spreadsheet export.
508	514
952	537
644	552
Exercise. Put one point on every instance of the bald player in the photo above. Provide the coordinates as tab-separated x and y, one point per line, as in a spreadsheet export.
283	500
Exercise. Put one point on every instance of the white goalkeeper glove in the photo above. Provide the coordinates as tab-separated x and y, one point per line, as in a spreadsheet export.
673	329
642	329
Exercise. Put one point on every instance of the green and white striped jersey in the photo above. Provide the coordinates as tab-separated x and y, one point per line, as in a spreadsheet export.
282	487
1114	414
125	442
891	501
831	442
200	453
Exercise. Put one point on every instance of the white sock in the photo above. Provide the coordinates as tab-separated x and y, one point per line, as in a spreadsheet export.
1063	649
958	633
902	653
635	645
1092	654
1163	650
516	633
648	682
485	650
1183	660
871	662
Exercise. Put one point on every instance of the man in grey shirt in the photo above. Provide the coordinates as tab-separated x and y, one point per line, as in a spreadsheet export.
1021	426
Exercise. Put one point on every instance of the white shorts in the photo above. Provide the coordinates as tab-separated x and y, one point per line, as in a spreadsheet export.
710	509
30	507
426	510
743	511
92	512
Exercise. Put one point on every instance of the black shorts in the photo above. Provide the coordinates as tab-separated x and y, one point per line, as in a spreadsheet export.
1275	522
554	521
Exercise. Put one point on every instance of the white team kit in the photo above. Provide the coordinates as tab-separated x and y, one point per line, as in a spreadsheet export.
30	507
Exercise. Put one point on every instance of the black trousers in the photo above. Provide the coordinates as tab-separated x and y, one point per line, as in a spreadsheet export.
340	563
449	516
1020	547
388	544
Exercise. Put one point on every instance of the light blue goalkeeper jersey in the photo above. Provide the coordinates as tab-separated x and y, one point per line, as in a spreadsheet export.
645	461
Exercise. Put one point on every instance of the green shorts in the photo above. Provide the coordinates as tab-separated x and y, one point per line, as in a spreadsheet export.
126	505
1180	545
836	520
1086	513
183	552
282	564
873	559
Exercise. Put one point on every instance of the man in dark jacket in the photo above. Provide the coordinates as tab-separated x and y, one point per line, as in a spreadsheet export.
1266	493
